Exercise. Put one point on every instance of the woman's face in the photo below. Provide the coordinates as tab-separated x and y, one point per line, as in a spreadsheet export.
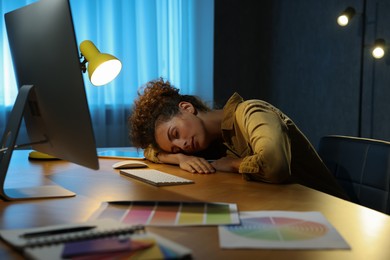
184	133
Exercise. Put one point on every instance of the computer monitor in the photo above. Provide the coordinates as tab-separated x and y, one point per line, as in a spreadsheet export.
51	95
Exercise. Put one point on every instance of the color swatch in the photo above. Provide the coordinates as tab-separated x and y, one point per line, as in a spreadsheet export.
163	213
281	230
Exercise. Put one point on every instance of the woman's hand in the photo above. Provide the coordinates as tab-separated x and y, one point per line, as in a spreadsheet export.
227	164
195	164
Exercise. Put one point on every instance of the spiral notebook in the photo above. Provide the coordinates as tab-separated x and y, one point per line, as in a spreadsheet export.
93	240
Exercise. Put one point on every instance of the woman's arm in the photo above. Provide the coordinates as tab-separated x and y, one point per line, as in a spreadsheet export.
189	163
227	164
261	131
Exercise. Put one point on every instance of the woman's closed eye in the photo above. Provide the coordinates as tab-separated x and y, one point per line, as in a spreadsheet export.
174	134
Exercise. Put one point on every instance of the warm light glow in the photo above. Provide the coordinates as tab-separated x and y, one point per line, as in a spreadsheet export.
346	16
102	67
343	20
379	49
378	53
106	72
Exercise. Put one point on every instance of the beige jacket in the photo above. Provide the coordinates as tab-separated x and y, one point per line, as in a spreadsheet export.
272	147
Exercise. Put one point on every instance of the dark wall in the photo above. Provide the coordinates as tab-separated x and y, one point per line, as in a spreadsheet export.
295	56
242	48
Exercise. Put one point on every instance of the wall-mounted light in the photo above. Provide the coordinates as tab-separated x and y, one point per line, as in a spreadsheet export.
346	16
379	49
102	67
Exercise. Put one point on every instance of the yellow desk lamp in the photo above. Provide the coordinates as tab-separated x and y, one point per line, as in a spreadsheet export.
102	67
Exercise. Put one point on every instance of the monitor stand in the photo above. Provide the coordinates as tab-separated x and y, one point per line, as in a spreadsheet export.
7	147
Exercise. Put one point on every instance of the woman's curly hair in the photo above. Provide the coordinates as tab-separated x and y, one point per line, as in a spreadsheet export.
158	103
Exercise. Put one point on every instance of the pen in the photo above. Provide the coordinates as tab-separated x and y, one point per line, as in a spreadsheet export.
56	231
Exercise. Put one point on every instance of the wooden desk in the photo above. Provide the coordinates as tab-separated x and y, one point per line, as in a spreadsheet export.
367	231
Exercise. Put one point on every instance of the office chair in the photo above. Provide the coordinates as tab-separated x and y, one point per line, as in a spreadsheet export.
361	166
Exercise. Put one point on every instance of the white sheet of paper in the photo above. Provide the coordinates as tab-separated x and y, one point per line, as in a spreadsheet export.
281	230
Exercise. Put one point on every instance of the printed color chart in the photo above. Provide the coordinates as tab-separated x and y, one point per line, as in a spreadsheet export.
162	213
281	230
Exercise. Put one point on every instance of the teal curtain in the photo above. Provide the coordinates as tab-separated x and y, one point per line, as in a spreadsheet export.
172	39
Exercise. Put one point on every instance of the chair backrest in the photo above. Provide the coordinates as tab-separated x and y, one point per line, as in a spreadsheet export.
361	166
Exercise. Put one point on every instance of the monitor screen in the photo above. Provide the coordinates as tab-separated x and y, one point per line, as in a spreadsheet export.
47	66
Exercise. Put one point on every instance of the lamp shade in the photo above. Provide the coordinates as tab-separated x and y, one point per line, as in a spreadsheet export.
346	16
102	67
379	49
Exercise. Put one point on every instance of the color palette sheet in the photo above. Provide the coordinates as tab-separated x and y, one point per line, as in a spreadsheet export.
281	230
163	213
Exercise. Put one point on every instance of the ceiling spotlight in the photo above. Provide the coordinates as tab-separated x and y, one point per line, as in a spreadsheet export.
346	16
379	49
